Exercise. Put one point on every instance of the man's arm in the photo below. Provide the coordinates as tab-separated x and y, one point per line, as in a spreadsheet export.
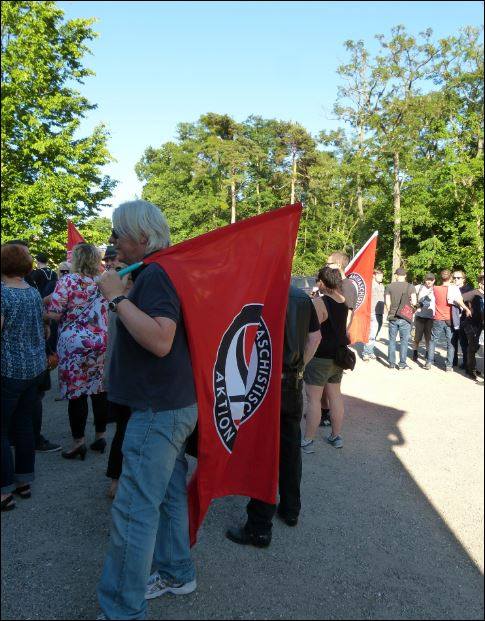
387	302
311	345
155	334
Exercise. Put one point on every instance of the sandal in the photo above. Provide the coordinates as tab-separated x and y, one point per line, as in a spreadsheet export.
23	492
8	503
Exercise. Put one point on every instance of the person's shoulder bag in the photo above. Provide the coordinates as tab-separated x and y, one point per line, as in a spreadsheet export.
405	310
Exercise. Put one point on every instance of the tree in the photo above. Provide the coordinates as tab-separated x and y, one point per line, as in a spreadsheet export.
96	230
49	172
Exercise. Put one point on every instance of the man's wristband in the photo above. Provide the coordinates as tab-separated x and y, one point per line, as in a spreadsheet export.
114	302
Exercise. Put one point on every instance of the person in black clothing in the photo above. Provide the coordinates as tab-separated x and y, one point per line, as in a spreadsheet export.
302	336
44	277
458	319
473	325
322	371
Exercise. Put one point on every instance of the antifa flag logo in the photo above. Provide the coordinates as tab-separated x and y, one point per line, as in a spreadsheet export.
359	284
242	372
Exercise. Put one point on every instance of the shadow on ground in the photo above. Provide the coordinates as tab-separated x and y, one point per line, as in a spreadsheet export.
369	545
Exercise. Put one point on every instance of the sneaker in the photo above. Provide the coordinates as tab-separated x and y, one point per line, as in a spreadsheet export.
101	616
405	367
472	375
336	441
372	357
44	446
325	418
427	366
393	367
157	586
307	446
365	358
449	369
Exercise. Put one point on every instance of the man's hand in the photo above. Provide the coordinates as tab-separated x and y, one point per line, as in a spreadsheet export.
111	285
468	312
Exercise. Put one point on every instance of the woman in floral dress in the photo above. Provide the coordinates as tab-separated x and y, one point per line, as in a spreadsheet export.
81	310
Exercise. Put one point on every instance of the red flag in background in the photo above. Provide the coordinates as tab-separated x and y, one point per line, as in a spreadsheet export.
360	270
233	285
73	237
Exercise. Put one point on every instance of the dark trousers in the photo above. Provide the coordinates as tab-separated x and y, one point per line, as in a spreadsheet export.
380	320
423	327
19	398
120	414
260	514
472	333
78	414
459	336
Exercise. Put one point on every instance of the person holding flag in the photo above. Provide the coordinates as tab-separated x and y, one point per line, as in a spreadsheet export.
151	373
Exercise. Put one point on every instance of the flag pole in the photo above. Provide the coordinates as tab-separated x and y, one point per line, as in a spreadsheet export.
354	259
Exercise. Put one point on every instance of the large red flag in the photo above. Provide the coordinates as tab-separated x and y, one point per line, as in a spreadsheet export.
360	270
233	285
73	237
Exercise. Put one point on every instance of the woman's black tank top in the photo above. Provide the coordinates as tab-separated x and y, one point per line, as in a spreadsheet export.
334	329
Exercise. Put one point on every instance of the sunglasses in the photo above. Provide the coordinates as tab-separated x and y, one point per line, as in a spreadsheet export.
457	277
64	272
114	234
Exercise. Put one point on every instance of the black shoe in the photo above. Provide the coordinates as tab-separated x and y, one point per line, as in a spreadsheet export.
415	355
81	450
8	503
24	491
325	418
472	375
247	538
98	445
287	519
44	446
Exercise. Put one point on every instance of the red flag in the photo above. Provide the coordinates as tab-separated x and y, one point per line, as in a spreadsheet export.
233	285
360	270
73	237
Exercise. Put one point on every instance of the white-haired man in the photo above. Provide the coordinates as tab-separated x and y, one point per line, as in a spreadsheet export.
151	373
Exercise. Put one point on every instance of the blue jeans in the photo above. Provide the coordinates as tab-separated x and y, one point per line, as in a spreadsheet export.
374	329
402	327
150	516
440	328
19	403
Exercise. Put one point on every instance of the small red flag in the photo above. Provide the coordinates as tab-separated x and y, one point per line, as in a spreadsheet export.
360	270
74	237
233	285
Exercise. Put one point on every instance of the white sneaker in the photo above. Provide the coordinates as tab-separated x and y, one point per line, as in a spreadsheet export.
157	586
307	446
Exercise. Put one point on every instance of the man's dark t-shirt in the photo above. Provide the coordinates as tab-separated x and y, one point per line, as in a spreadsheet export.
397	292
138	378
350	293
301	319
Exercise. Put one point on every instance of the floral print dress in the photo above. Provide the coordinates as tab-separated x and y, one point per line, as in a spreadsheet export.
83	335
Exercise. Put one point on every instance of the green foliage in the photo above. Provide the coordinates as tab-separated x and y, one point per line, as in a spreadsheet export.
419	99
49	173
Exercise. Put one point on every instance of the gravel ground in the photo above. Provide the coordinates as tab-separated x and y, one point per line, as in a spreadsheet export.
391	525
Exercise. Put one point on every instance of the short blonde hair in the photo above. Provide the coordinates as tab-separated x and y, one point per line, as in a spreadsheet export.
86	259
340	258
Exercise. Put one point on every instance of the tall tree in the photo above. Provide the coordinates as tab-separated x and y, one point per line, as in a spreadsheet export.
50	173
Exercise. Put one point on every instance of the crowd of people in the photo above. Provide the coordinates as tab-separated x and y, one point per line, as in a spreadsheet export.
121	344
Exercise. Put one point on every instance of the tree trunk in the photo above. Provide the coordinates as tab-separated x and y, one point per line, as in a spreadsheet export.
396	251
360	202
233	201
259	198
293	179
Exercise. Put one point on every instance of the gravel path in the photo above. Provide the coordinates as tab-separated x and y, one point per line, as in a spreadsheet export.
391	525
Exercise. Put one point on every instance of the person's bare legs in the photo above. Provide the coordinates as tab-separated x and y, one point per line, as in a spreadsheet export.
336	408
313	413
324	400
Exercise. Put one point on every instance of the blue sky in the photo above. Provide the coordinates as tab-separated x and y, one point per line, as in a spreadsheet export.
161	63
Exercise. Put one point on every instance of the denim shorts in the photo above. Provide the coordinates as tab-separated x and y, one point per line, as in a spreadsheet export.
321	371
